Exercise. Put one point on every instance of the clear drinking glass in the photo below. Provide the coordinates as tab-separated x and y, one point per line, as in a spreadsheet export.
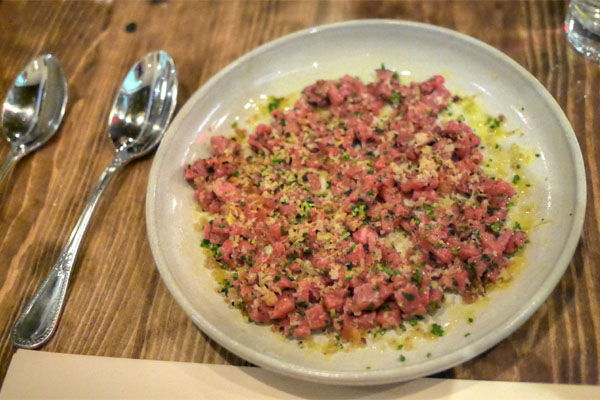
582	26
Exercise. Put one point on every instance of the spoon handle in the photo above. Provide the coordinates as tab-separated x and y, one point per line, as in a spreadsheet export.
8	164
40	316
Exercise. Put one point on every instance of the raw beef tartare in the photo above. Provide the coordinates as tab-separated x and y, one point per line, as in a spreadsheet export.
357	208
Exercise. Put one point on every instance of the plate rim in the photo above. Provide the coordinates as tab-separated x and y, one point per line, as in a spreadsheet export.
373	377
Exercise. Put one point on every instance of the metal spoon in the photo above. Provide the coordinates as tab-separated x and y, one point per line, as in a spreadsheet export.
138	119
33	108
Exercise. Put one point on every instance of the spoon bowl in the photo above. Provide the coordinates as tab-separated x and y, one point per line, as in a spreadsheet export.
144	105
140	114
34	108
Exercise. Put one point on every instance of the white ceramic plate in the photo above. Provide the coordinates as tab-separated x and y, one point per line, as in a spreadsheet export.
358	48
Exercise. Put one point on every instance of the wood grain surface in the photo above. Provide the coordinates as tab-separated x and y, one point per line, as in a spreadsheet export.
118	305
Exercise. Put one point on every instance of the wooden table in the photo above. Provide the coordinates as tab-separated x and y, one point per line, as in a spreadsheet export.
118	305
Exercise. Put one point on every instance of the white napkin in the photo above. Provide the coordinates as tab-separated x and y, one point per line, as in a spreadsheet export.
44	375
